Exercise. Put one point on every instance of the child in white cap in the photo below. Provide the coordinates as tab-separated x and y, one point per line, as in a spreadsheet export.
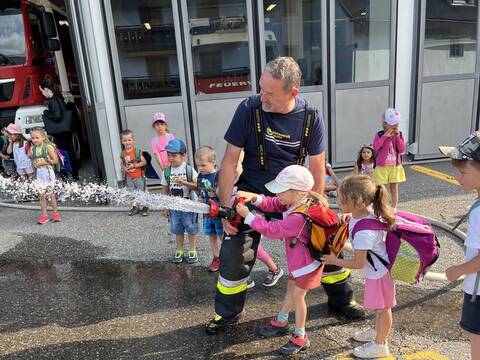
389	147
161	139
292	186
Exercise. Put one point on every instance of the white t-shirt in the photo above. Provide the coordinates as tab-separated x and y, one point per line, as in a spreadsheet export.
373	240
472	248
179	172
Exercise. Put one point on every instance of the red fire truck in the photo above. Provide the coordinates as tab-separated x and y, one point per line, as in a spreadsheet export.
34	45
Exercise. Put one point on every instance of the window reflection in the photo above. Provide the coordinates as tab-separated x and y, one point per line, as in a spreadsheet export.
219	40
362	40
450	37
293	28
147	52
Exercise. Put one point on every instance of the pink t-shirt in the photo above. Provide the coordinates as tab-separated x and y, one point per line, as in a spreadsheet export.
391	159
158	147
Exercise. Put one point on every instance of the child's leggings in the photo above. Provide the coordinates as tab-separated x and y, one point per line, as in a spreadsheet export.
262	255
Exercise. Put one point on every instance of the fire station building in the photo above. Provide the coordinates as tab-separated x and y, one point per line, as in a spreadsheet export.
195	60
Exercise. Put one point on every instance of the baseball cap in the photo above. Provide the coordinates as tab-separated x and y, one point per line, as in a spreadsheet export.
176	146
294	177
13	129
468	149
392	116
159	117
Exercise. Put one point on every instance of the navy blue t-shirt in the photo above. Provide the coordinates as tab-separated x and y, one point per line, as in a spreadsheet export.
283	135
207	184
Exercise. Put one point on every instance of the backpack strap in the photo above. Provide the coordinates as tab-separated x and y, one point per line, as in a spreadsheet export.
259	131
464	217
307	126
138	155
371	224
167	173
189	171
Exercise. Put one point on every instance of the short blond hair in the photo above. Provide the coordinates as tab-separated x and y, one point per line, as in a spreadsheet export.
205	153
127	132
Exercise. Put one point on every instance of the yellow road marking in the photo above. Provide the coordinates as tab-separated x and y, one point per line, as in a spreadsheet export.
426	355
435	174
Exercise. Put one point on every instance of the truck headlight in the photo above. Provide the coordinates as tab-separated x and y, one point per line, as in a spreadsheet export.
33	119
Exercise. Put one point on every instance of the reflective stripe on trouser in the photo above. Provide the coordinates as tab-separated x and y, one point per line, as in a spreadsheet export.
337	284
237	257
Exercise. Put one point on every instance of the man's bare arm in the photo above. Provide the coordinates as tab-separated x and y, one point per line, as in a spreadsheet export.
317	168
228	173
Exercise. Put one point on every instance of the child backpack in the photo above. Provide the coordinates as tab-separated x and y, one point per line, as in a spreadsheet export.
57	168
189	171
138	157
412	246
326	233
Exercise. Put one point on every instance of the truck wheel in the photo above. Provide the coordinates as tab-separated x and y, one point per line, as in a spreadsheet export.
76	145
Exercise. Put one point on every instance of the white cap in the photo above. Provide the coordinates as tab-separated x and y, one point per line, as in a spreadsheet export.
293	177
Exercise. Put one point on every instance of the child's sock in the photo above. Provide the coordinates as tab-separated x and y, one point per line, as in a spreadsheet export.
282	317
300	332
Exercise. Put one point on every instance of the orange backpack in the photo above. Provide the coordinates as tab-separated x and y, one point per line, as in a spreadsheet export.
327	234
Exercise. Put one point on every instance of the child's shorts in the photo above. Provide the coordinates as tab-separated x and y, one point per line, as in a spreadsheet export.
212	226
136	183
309	281
379	293
181	221
470	321
389	174
45	175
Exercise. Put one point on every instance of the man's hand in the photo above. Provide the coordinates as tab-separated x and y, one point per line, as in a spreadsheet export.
329	259
165	213
229	228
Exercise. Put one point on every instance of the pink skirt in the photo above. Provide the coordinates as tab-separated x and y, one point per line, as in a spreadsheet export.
309	281
379	293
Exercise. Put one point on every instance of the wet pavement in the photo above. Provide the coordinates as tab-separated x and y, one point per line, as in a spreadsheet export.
101	286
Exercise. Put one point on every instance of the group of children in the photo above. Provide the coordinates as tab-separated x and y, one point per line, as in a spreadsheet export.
31	160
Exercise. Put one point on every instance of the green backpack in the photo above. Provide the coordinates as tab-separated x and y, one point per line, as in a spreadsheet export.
138	158
57	168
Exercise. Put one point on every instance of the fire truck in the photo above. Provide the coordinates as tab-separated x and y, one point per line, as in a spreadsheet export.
35	45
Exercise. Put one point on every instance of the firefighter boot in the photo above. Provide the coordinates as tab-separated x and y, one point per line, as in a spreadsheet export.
340	299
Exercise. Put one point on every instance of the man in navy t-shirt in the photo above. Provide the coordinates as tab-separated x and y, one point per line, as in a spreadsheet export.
280	117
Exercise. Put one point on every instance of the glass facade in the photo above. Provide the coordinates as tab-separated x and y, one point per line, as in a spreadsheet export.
145	36
362	40
450	37
294	28
219	45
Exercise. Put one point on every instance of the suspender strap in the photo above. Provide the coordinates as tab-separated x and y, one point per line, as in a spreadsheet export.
307	125
259	132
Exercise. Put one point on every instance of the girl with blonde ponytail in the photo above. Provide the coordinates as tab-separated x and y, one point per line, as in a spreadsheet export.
364	199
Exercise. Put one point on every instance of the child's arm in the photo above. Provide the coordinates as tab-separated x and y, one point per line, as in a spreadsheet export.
470	267
334	177
191	185
268	203
356	170
10	147
400	143
288	227
358	262
379	141
122	165
159	160
141	163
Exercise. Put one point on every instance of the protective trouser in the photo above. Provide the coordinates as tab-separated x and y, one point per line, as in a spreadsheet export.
237	257
338	286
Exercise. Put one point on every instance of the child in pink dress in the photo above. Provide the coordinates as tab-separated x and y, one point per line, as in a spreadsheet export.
358	194
160	141
292	186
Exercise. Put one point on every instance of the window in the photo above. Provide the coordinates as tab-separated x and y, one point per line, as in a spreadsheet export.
12	34
219	42
362	40
37	34
147	52
293	28
450	37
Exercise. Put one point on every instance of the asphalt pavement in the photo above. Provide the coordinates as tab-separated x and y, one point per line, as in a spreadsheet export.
102	286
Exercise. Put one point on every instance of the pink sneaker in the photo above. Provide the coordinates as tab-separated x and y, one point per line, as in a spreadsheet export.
56	217
43	219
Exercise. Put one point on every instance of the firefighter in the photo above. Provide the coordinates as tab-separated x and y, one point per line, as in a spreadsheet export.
275	129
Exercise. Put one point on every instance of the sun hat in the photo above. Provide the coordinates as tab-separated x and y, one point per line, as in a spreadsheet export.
13	129
294	177
176	146
392	117
468	149
159	117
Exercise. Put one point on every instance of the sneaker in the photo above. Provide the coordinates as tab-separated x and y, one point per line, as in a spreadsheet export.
371	350
192	256
275	328
145	211
250	283
295	345
353	310
215	265
365	336
219	324
133	211
43	219
178	257
272	277
56	217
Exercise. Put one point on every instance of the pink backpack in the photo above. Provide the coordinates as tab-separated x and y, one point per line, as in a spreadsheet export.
412	246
